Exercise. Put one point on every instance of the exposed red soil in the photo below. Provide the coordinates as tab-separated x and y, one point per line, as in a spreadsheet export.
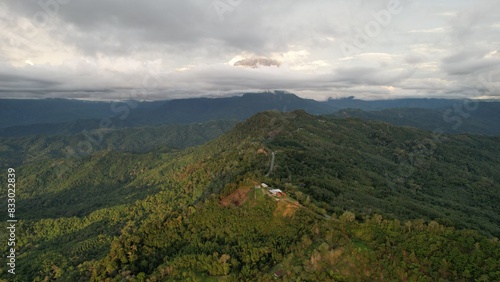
236	198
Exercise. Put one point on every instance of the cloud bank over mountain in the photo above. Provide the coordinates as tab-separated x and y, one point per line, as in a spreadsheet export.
154	50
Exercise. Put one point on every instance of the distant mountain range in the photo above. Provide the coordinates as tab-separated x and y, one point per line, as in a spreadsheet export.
483	118
59	116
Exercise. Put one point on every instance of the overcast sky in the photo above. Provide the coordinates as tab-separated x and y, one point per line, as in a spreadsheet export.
151	50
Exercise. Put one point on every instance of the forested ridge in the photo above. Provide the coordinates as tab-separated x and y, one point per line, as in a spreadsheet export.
463	117
366	201
19	150
25	117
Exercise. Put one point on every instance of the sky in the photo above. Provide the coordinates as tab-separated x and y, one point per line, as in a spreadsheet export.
159	50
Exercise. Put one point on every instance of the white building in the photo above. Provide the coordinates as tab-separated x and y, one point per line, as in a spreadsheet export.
275	191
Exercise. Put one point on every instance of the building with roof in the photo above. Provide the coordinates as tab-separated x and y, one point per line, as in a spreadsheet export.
277	192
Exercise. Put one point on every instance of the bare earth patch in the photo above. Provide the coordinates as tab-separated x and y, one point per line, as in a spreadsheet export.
286	209
262	151
236	198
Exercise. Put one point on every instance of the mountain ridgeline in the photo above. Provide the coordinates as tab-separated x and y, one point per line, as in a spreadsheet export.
15	151
364	201
58	116
463	117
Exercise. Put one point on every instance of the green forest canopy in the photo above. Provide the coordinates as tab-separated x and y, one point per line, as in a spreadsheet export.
366	201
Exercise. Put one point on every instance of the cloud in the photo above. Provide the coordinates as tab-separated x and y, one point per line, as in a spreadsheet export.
256	62
470	66
110	49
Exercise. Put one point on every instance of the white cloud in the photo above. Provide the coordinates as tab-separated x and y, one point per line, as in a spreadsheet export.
432	30
99	49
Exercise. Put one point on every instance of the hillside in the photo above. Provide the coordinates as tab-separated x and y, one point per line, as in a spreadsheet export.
19	112
15	151
365	201
481	118
59	116
238	107
379	105
402	172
